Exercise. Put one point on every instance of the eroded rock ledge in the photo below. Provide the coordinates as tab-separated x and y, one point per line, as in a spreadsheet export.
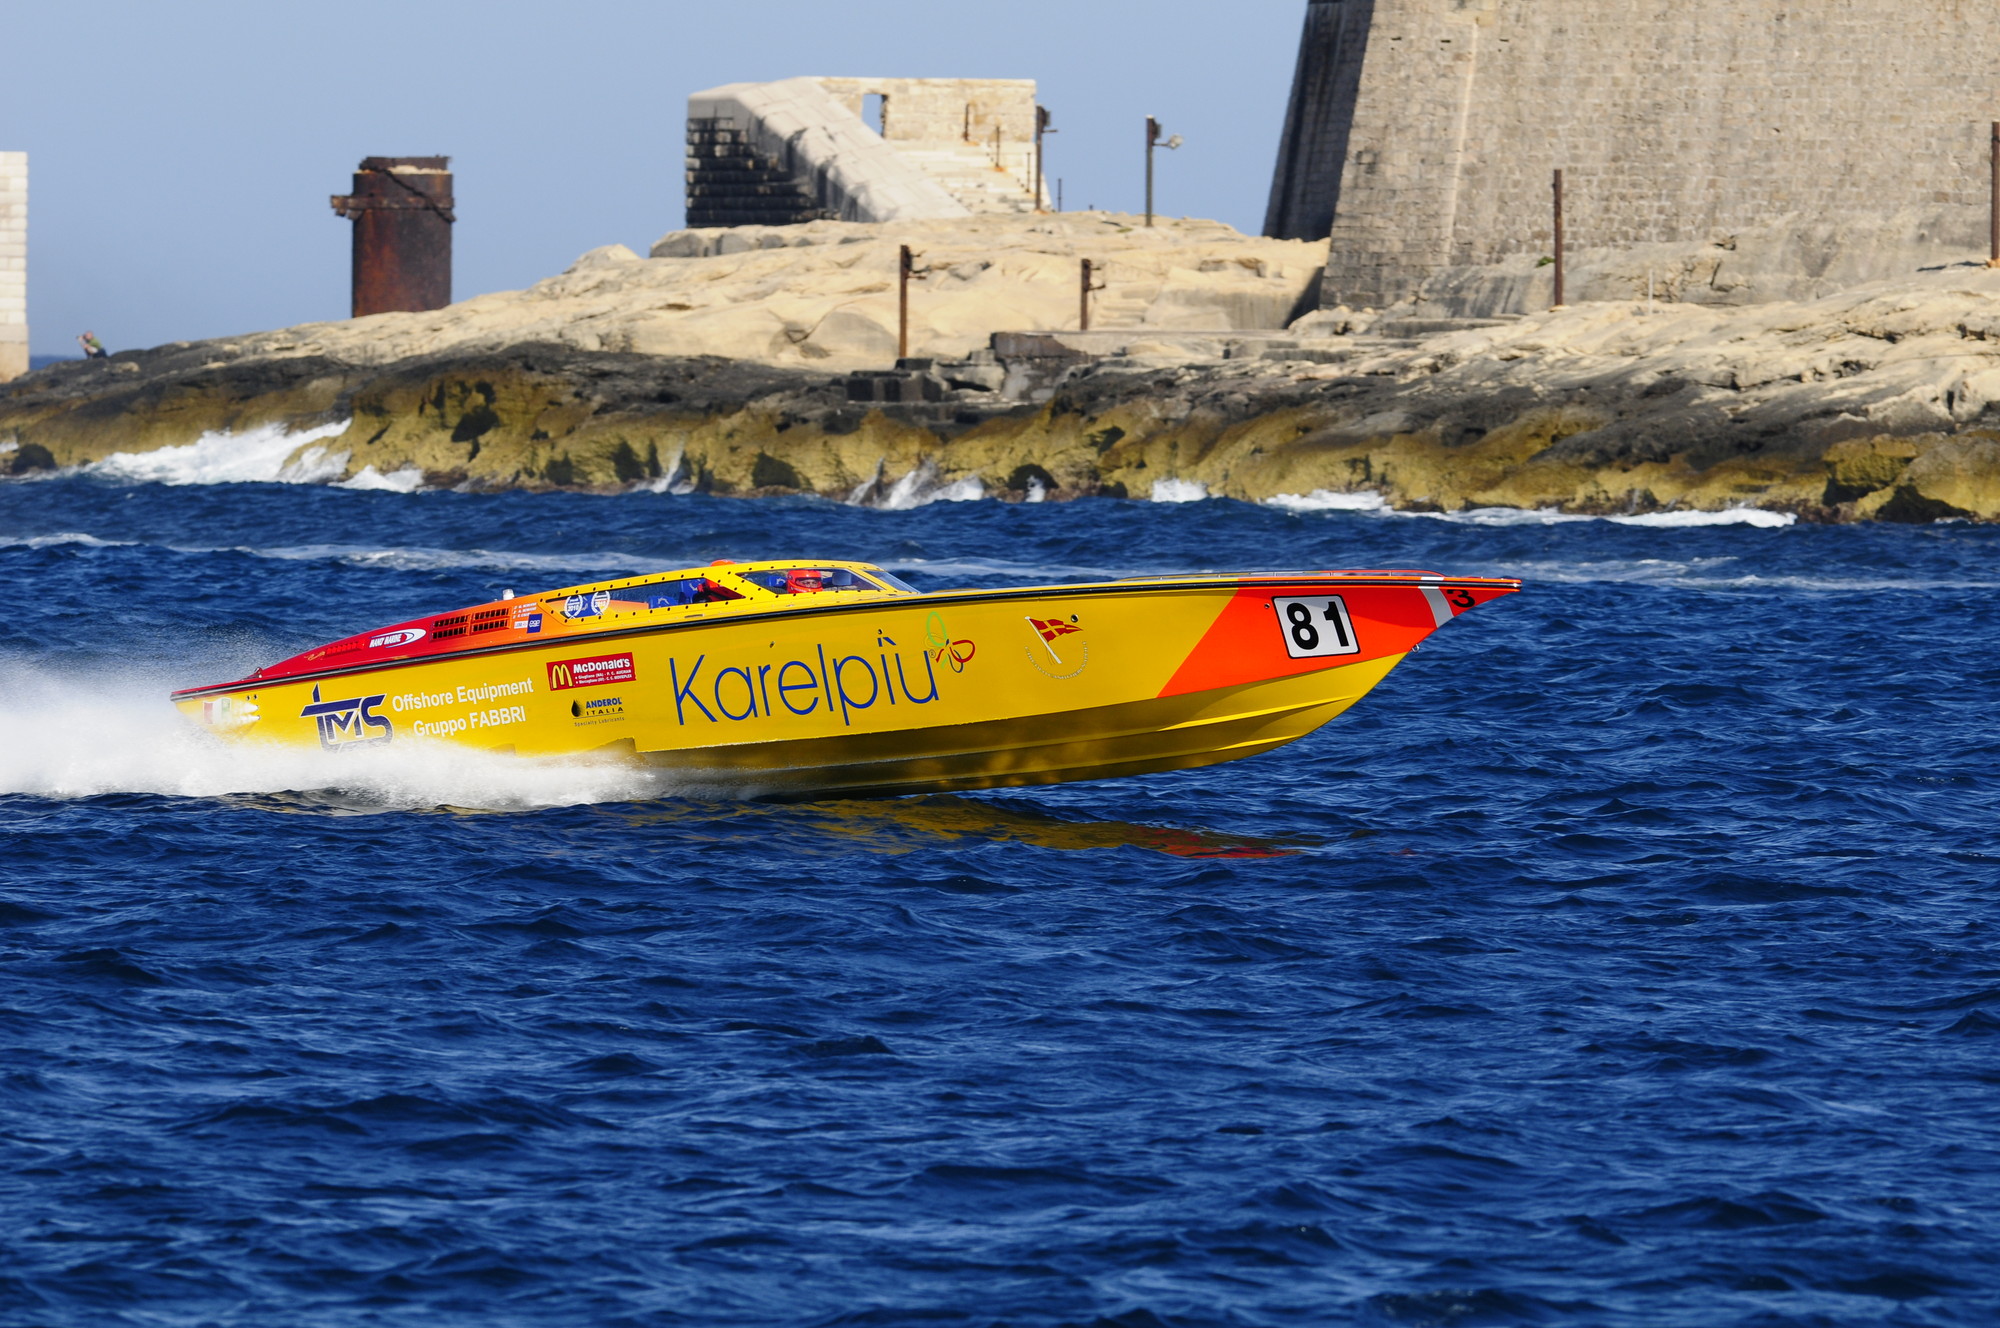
1881	403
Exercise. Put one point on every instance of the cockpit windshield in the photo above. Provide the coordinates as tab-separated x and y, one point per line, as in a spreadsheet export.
808	580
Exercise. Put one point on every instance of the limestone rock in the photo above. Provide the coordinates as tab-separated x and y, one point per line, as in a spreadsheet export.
1881	403
823	295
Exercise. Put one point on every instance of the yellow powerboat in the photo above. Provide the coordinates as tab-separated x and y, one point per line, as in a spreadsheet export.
801	679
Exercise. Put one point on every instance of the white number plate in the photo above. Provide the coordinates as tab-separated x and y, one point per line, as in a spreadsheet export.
1316	627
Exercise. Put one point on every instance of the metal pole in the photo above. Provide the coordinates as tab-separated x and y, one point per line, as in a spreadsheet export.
903	304
1152	137
1083	317
998	163
1041	129
1993	257
1559	238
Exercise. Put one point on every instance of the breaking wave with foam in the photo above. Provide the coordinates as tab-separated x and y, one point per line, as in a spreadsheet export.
267	454
1365	500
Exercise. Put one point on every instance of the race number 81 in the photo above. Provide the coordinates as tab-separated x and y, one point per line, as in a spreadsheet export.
1316	627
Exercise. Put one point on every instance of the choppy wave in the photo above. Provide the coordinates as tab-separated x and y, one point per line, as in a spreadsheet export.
1328	500
429	560
61	538
1548	516
921	486
369	480
1692	875
1726	573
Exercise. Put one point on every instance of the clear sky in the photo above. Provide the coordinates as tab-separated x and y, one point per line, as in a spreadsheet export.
182	153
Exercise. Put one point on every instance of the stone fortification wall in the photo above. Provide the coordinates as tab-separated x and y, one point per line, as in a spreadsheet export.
944	110
796	127
13	264
1306	186
1855	130
974	136
799	150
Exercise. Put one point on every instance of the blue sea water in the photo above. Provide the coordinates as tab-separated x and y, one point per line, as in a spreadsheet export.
1625	959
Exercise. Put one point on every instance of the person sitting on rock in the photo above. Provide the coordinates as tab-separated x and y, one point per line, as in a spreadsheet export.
93	349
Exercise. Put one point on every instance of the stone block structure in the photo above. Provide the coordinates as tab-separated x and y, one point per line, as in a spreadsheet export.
800	150
13	264
1842	141
974	136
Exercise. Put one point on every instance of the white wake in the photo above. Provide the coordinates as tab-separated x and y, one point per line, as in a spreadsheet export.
89	733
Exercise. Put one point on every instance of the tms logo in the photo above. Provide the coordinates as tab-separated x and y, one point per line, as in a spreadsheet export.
344	724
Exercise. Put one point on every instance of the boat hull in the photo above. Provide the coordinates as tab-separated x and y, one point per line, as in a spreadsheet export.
895	694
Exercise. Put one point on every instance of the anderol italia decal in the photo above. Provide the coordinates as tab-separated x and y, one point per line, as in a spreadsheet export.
817	684
349	723
598	710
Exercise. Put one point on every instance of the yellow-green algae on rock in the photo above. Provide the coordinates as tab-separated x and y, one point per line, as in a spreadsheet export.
1881	403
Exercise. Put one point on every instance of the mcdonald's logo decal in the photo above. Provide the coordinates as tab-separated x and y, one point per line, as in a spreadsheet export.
597	671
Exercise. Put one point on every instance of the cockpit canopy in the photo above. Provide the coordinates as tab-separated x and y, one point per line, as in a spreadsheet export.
813	580
686	588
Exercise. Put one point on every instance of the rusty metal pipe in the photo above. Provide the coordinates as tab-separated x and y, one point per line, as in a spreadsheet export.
1993	248
1558	189
402	209
1090	287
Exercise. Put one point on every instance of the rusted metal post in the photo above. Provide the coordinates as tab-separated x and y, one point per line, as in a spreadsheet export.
998	162
1559	239
1993	248
1083	317
904	267
402	213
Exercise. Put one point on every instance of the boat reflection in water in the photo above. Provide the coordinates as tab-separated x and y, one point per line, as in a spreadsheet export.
940	820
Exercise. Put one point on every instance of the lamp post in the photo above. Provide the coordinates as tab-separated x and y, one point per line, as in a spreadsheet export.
1044	125
905	263
1153	140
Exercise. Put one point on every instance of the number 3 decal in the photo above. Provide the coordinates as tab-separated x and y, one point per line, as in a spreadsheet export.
1316	627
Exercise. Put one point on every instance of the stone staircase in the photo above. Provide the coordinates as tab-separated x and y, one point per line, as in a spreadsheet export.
731	183
967	173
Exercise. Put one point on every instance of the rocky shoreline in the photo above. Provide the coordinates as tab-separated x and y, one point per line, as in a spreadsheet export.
1881	403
